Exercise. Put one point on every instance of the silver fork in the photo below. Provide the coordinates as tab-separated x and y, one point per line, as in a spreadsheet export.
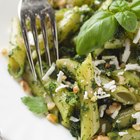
31	9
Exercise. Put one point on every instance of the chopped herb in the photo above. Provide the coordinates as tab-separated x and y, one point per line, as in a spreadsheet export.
35	104
71	98
84	107
75	129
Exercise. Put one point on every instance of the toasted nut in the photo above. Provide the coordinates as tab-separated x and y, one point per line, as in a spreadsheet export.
137	106
52	118
76	89
107	65
100	137
136	126
112	108
131	89
64	77
4	52
51	105
122	65
25	86
62	3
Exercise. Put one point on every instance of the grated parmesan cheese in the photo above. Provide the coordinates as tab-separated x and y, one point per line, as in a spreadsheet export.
98	62
49	72
62	86
100	94
118	121
120	73
86	95
127	51
31	38
122	133
137	37
110	86
135	67
74	119
102	108
137	117
103	128
97	76
60	76
115	114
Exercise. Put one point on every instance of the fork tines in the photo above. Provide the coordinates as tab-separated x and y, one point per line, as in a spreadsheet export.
30	10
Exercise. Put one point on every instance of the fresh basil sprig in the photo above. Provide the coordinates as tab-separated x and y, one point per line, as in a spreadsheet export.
123	14
135	7
118	6
97	30
35	104
127	20
102	26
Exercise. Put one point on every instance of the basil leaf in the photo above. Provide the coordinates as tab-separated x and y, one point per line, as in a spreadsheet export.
35	104
119	6
135	7
127	20
95	32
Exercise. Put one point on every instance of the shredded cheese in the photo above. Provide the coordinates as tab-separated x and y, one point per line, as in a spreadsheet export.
118	121
49	72
86	95
102	108
122	133
31	38
98	62
103	128
110	86
127	51
74	119
137	37
100	94
137	117
135	67
115	114
62	86
60	76
97	76
120	73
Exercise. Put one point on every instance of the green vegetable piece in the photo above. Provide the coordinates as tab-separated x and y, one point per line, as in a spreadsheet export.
35	104
95	32
71	22
89	110
123	95
119	6
124	119
127	20
132	135
68	66
135	7
17	55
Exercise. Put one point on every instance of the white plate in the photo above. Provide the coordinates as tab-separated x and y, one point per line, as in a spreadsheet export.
16	122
